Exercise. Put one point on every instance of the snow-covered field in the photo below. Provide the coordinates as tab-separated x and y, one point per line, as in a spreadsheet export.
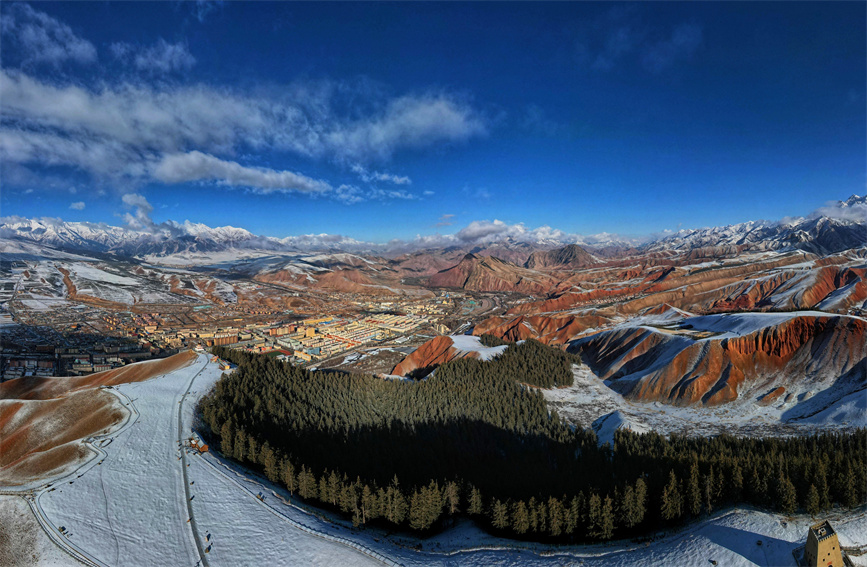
129	507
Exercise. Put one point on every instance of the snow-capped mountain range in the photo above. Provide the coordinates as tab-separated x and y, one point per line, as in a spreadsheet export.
830	229
833	228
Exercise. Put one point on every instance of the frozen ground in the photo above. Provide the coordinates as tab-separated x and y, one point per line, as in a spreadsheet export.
129	507
22	542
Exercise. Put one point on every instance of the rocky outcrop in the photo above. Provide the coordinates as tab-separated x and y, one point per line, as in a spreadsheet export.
701	366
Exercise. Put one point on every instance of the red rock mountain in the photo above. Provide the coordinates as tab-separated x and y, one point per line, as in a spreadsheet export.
567	258
798	353
488	273
432	353
549	330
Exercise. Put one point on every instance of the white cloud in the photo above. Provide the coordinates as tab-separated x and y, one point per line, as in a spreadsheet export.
406	122
197	166
373	176
77	206
477	230
117	132
42	39
140	217
160	58
485	232
853	209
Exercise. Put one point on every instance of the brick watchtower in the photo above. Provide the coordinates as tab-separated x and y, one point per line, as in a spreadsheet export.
823	548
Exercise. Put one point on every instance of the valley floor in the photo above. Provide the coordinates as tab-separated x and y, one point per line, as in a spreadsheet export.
130	506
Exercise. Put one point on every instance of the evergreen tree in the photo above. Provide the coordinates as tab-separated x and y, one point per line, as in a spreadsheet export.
627	507
451	498
851	493
672	500
555	516
533	511
812	504
417	516
737	482
594	515
396	505
606	525
306	484
520	517
268	460
710	491
821	482
226	438
499	515
542	516
369	505
693	491
289	478
788	498
474	506
640	501
573	518
333	488
324	495
239	447
348	498
252	450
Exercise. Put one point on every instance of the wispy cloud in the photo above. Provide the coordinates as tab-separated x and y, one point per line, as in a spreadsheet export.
445	220
536	121
160	58
77	206
202	8
685	39
39	38
623	35
374	176
480	193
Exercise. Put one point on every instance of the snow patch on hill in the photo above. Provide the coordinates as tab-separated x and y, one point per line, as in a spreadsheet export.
606	425
469	343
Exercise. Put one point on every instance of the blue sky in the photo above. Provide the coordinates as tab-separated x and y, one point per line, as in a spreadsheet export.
391	120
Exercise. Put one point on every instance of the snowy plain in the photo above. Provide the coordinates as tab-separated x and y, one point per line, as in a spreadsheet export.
129	507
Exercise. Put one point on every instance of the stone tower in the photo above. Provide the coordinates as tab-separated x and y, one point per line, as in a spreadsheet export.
823	548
